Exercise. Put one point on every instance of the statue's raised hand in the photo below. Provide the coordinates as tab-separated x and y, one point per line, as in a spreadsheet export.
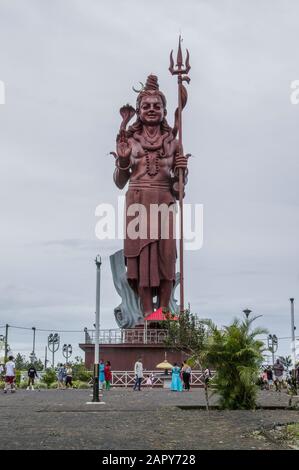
123	146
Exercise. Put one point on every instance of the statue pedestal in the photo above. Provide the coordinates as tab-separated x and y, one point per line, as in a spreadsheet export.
123	355
166	381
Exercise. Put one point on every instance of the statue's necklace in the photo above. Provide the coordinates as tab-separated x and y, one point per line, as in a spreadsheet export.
152	139
153	152
152	157
152	162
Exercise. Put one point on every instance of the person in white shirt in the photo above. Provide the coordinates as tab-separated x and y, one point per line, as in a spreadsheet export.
10	374
138	370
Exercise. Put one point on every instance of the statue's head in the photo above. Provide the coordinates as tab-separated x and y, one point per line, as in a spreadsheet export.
151	103
150	108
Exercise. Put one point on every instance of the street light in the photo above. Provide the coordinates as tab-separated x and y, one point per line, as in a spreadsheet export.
95	397
2	344
53	344
46	357
32	355
272	345
293	328
67	351
6	343
247	312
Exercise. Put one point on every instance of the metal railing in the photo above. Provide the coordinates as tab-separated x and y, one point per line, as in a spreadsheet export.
123	378
128	336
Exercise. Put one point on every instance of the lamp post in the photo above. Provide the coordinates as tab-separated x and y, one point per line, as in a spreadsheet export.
96	398
272	345
2	344
46	357
53	344
32	355
293	328
67	351
6	343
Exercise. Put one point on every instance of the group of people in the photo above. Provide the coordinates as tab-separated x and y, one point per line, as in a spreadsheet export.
8	371
277	377
64	376
105	375
180	378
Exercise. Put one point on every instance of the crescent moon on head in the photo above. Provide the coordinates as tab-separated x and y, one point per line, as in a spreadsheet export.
141	89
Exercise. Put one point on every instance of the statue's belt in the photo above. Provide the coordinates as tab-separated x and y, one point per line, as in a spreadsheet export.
149	186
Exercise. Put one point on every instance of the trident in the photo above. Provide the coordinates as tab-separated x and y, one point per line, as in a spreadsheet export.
181	71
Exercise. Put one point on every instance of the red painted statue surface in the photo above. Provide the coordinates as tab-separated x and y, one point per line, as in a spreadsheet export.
149	158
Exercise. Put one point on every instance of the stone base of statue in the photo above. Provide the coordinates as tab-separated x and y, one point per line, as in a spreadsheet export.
128	313
124	355
135	338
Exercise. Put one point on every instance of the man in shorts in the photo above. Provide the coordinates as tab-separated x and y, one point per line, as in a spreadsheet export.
278	370
10	375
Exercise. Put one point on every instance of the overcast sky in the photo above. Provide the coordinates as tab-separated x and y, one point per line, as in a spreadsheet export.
68	66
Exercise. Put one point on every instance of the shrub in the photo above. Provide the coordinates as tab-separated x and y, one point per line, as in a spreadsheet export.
49	377
236	355
18	377
52	385
38	385
41	385
81	373
23	384
80	384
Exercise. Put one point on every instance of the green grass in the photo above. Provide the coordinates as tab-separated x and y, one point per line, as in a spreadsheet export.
293	430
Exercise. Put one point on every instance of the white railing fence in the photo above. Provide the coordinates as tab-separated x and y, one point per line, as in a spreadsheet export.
124	378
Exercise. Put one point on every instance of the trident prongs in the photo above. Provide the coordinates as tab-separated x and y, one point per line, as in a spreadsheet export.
179	70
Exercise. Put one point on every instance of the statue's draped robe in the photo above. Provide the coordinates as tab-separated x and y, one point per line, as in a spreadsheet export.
150	259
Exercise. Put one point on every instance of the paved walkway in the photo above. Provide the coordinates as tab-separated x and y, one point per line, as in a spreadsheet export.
150	419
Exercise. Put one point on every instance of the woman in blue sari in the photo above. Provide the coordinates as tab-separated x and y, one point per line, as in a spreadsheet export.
101	374
176	383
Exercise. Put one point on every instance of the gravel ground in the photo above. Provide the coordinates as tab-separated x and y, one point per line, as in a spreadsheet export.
149	420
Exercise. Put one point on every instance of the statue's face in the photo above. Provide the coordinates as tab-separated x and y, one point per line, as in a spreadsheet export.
151	111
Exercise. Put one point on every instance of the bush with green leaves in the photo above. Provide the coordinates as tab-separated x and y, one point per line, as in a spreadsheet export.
81	373
52	385
37	385
234	352
49	377
23	384
41	385
18	377
80	384
236	355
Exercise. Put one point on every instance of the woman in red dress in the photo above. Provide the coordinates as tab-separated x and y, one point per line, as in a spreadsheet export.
108	374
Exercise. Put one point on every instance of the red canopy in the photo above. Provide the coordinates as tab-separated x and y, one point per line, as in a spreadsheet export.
158	315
